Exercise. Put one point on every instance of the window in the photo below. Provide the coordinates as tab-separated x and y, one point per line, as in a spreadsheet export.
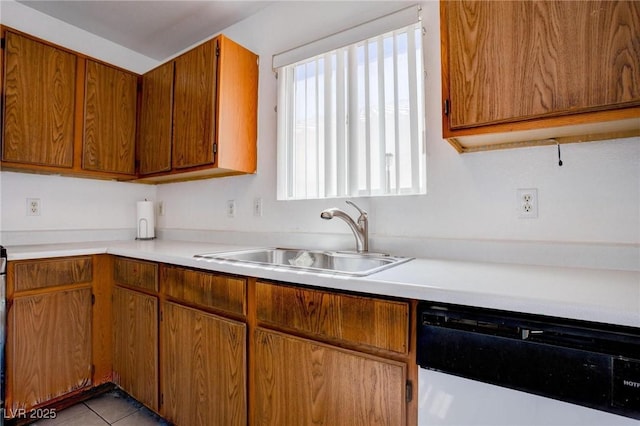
351	120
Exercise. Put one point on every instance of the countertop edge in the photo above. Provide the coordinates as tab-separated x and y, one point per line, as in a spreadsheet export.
391	282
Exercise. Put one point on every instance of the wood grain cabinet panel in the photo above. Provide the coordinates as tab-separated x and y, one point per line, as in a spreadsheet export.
194	110
39	96
135	345
301	382
376	323
214	113
209	290
203	368
135	273
48	347
237	108
31	275
516	60
110	119
154	142
529	73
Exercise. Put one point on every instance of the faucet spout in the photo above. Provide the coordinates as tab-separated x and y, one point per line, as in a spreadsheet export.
360	229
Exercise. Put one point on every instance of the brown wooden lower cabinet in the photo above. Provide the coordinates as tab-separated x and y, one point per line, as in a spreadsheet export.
179	340
48	347
302	382
203	368
135	345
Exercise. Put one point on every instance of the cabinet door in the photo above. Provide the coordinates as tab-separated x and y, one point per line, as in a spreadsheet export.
110	119
203	368
194	109
300	382
154	143
510	61
48	347
135	345
39	99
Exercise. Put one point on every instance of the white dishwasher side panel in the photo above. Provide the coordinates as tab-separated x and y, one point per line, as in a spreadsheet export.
447	400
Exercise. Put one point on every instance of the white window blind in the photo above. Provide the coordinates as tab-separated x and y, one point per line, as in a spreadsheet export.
351	120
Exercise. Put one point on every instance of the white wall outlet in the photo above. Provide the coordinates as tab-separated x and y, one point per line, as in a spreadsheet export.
160	208
527	203
257	206
33	206
231	208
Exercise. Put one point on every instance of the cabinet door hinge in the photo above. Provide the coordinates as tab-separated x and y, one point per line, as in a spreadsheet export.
93	299
161	316
447	107
409	391
161	399
217	49
215	148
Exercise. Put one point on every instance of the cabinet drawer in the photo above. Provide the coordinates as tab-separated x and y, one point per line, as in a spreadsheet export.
220	292
368	321
135	273
40	273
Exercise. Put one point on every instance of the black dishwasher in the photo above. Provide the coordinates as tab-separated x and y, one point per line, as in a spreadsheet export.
591	364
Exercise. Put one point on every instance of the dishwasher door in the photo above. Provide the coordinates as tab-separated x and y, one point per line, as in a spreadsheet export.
589	364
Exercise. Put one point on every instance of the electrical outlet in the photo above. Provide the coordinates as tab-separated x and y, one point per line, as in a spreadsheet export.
161	208
527	203
231	208
257	206
33	206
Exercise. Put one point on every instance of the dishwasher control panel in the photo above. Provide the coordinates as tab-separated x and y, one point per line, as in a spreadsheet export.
626	383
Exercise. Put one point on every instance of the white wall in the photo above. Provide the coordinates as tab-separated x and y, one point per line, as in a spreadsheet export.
592	200
72	209
589	207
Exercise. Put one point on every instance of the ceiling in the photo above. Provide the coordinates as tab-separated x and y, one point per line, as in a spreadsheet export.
157	29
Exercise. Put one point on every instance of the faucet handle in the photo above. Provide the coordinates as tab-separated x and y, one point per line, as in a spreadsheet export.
362	212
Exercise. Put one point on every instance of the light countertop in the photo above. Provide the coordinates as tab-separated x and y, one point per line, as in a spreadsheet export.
599	295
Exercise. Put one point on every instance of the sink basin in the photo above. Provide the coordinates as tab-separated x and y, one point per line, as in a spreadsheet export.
349	263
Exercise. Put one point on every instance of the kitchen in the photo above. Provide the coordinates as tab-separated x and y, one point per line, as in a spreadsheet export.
588	214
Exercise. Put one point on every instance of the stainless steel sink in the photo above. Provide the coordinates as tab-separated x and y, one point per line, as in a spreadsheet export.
356	264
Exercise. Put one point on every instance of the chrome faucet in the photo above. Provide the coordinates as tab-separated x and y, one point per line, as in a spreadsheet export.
360	230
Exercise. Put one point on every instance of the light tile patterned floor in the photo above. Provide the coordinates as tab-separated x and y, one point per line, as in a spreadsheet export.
112	408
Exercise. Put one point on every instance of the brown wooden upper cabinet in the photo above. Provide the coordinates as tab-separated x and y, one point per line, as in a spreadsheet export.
110	119
156	119
534	71
65	113
199	114
39	103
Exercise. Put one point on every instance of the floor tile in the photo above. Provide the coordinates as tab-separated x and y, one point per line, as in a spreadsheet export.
142	417
78	415
113	406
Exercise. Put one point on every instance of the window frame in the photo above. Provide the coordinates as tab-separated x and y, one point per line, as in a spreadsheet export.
347	172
